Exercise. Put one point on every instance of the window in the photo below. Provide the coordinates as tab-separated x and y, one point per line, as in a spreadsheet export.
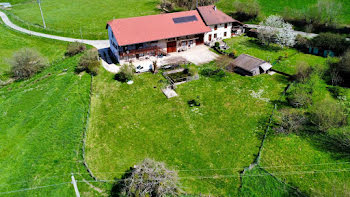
209	37
215	35
225	34
215	27
225	25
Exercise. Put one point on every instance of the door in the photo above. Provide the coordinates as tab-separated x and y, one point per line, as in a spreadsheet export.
209	37
171	47
200	39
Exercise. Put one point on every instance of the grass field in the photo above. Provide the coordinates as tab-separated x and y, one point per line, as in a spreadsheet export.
130	123
12	41
41	125
269	7
271	53
303	160
88	19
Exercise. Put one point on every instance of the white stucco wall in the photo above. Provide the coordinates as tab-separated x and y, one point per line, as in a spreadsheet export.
113	42
219	32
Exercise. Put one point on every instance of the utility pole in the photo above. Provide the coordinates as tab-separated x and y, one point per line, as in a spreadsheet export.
42	15
74	182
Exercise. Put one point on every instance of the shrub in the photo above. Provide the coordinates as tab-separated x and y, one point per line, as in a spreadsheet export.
302	43
246	10
331	41
300	96
340	70
126	73
337	92
149	178
216	74
304	71
223	61
26	62
290	121
89	62
328	114
75	48
217	44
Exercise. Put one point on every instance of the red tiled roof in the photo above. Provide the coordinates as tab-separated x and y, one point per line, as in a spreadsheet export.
155	27
213	16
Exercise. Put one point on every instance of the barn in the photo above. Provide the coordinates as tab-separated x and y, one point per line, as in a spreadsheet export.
249	65
133	38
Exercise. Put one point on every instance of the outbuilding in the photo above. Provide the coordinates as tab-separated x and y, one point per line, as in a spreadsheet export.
249	65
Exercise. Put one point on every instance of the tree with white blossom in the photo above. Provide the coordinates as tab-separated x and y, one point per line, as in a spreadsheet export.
275	29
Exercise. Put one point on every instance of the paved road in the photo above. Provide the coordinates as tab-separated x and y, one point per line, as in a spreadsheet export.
99	44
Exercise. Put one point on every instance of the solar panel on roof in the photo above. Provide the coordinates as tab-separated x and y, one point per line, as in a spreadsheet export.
185	19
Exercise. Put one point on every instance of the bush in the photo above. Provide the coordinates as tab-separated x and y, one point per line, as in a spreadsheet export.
75	48
89	62
302	43
328	114
304	71
300	96
26	62
246	10
126	73
149	178
337	92
217	74
340	70
223	61
289	121
331	41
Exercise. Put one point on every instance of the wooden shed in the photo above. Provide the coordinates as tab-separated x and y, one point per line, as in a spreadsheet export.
249	65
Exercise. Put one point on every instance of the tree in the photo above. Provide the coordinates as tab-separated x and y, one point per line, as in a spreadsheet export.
300	96
191	4
328	114
26	62
89	62
304	72
290	121
126	73
150	178
274	29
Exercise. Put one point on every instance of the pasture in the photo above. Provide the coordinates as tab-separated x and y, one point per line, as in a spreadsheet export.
41	127
12	41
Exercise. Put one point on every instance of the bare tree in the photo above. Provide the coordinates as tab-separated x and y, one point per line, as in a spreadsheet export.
26	62
151	178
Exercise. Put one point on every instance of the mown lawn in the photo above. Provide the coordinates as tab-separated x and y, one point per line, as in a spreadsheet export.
269	7
86	19
131	122
41	125
12	41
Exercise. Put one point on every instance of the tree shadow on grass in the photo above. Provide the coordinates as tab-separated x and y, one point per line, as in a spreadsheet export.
119	184
336	143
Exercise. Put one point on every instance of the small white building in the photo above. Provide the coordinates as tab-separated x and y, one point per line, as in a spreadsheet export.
222	26
249	65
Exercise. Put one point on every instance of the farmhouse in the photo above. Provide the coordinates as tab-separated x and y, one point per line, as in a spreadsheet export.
157	35
249	65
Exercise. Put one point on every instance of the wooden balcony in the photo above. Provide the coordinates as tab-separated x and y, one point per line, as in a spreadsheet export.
145	51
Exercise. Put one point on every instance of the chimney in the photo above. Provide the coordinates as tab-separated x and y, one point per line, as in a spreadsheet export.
214	7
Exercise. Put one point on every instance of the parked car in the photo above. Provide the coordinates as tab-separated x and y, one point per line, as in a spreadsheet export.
141	69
